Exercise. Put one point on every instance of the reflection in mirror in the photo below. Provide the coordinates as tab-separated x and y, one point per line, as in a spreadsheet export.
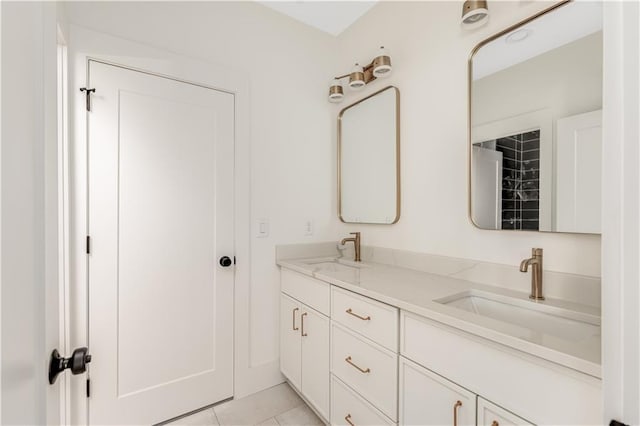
369	159
536	100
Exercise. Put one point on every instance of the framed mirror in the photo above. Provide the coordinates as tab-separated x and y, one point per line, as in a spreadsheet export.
369	159
535	123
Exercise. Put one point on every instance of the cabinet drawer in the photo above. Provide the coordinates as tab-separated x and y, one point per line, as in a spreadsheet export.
490	414
348	408
368	368
375	320
312	292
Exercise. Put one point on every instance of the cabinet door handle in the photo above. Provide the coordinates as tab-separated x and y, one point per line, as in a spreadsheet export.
294	319
348	419
495	423
362	370
302	323
350	312
455	412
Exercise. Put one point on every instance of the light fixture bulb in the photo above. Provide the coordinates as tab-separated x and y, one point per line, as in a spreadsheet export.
382	63
356	77
474	13
335	91
518	35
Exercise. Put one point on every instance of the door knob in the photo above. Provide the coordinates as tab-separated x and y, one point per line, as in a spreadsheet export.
225	261
77	363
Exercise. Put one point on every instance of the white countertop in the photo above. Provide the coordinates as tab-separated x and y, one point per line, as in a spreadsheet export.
417	292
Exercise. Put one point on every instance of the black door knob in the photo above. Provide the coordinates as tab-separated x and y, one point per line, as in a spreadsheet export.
77	363
225	261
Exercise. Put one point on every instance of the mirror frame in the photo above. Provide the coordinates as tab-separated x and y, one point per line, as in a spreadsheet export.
469	126
397	218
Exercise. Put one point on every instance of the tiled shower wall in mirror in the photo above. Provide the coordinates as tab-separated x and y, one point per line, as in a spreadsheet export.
520	179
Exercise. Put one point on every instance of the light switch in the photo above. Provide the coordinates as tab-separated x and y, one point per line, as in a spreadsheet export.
262	228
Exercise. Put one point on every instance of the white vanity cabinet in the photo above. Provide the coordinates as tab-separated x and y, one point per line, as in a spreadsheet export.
290	340
491	415
349	409
534	389
364	350
304	342
359	361
429	399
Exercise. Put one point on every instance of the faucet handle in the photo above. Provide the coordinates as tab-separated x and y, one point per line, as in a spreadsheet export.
536	251
357	234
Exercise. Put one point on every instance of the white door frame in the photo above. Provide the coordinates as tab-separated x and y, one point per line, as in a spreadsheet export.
85	45
620	213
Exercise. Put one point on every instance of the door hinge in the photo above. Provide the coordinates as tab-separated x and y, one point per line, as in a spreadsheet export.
234	260
88	388
88	92
88	244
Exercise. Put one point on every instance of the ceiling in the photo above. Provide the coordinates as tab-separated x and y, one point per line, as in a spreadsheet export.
562	26
332	17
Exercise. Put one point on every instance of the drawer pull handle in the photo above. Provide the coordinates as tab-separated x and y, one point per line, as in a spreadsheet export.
350	312
362	370
294	319
495	423
348	419
455	412
302	323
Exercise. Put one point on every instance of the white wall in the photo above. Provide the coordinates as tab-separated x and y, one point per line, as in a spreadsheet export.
287	66
621	214
29	205
429	53
567	80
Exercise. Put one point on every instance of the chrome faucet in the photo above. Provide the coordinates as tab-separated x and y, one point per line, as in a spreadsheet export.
356	243
535	261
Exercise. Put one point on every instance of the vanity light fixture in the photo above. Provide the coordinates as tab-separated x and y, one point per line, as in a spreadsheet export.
382	63
361	76
335	91
356	78
475	13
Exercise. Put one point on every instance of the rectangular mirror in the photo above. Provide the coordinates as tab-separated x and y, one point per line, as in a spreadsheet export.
369	159
535	93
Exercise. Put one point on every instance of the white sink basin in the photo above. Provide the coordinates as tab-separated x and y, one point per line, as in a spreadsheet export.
333	267
336	265
537	317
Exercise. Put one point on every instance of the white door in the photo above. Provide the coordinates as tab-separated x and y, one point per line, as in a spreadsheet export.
429	399
486	188
579	173
160	217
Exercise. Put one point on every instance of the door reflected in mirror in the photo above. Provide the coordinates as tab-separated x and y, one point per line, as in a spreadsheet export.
369	159
535	116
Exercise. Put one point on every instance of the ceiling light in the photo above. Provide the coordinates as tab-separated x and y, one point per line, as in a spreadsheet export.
474	13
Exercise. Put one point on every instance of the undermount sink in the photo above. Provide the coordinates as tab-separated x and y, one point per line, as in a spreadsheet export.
537	317
336	265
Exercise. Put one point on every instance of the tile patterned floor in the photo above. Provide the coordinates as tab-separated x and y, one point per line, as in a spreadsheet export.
276	406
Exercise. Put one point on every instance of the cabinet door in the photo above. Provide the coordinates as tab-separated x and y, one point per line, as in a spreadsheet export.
429	399
290	356
314	329
491	415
